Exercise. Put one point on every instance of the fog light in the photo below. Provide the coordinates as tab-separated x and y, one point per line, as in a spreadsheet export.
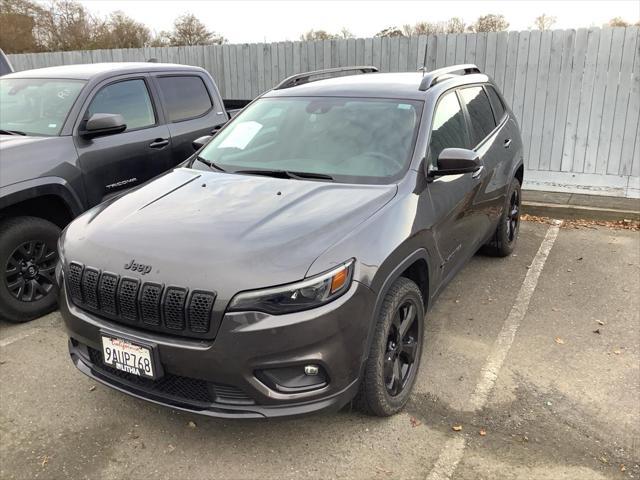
295	378
311	370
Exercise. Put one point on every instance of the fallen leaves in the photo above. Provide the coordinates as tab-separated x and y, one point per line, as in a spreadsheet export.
600	322
414	422
626	224
457	428
92	388
45	460
192	424
597	330
559	341
482	432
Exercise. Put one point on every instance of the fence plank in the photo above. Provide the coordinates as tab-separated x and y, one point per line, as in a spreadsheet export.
557	141
597	102
603	143
543	102
623	101
629	161
573	111
586	95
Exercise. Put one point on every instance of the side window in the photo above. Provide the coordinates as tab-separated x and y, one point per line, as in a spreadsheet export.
130	99
480	113
449	127
184	97
496	103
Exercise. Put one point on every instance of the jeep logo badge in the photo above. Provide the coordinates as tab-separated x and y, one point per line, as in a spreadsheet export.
137	267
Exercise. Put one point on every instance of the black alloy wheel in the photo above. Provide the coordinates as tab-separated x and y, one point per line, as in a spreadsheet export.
513	216
29	272
400	355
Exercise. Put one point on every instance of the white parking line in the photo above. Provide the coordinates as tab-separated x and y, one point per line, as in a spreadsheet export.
8	341
28	329
454	448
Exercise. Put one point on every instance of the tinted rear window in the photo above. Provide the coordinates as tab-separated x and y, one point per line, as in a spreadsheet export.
480	113
496	103
184	97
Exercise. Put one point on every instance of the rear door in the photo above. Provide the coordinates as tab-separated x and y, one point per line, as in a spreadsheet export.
487	140
192	108
113	163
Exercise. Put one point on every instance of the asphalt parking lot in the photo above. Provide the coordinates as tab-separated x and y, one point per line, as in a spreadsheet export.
531	371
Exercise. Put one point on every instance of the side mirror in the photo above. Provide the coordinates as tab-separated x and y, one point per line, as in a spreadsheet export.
454	161
103	124
200	142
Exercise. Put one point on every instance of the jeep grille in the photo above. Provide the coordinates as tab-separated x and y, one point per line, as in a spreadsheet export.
149	305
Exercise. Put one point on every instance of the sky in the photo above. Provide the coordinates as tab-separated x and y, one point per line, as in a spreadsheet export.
261	20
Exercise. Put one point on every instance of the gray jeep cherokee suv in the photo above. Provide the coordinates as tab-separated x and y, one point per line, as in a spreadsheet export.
287	266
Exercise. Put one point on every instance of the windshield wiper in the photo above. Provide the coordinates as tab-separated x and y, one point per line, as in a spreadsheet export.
209	163
12	132
286	174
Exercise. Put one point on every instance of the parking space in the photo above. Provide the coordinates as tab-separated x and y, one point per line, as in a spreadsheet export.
563	399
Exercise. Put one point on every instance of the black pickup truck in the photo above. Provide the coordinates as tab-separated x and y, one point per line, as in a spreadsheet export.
72	136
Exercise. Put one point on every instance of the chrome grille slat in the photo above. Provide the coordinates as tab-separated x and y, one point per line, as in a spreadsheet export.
175	310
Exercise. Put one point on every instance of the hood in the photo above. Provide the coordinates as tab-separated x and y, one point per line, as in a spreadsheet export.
219	231
25	157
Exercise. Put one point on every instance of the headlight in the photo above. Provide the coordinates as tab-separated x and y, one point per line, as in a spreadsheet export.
303	295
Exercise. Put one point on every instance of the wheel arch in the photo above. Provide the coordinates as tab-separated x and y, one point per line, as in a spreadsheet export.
51	199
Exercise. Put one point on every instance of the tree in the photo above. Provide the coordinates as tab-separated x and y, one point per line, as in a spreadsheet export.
67	25
122	31
188	30
313	35
618	22
18	33
454	25
390	32
345	33
489	23
544	22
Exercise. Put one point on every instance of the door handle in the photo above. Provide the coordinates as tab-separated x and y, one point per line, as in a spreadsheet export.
159	143
507	143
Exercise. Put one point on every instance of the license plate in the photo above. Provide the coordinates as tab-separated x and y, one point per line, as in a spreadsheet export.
128	357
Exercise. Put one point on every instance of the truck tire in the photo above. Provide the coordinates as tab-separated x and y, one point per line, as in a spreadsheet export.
394	357
28	257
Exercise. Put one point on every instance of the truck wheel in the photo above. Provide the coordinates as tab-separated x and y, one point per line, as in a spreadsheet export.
504	241
394	356
28	257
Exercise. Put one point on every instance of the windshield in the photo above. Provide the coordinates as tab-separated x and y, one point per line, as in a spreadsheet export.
356	140
36	106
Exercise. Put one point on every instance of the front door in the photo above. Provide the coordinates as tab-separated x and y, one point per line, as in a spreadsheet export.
113	163
451	197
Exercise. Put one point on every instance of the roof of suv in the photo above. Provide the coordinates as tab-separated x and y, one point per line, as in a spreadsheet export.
380	85
91	70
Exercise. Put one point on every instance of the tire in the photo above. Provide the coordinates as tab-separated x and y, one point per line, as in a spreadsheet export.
377	395
28	256
504	240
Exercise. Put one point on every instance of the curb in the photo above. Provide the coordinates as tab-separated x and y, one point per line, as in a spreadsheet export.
573	212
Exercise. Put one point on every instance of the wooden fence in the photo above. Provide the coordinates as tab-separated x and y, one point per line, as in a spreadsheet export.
576	93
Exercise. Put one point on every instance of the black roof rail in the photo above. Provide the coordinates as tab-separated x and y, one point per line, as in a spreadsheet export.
301	78
432	77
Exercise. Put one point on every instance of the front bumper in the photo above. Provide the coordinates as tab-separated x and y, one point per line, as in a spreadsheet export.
218	377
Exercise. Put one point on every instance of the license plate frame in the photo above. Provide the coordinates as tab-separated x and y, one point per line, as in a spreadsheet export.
125	344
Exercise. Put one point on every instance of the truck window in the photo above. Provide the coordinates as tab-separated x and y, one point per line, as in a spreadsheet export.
480	114
449	127
496	103
129	98
184	97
